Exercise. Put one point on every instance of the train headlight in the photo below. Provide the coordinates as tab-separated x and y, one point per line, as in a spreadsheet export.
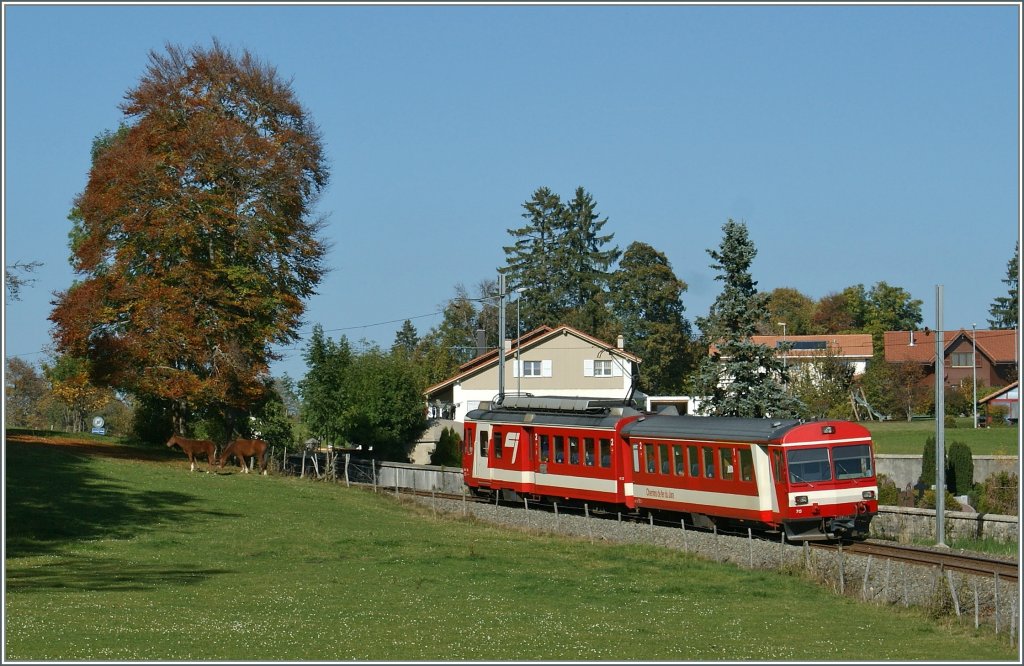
828	430
801	500
868	494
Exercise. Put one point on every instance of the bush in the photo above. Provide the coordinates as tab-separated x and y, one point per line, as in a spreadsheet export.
448	451
959	468
927	501
928	462
888	493
998	494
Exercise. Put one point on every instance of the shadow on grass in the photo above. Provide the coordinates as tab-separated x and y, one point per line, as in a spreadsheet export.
74	573
55	496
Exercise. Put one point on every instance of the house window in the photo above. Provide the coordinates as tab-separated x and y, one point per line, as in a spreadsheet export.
961	359
532	369
603	368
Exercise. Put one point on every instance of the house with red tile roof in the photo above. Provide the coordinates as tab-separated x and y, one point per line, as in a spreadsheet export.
989	356
852	349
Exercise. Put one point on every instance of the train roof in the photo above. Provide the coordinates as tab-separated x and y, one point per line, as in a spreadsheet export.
555	411
711	428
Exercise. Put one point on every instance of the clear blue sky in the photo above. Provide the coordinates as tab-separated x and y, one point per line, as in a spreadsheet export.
858	143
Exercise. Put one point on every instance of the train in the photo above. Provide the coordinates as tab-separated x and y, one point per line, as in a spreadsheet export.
813	480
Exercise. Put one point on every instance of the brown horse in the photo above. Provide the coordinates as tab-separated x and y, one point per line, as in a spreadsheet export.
244	448
193	448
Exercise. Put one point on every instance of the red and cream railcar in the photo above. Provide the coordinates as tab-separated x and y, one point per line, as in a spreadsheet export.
558	448
814	480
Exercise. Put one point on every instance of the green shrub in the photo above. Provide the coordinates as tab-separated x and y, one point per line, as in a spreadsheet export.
959	468
928	462
888	493
927	501
448	451
998	494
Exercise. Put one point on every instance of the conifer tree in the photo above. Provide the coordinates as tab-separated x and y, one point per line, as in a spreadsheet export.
1005	309
741	378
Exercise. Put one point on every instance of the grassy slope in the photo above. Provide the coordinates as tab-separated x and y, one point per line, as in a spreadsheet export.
113	559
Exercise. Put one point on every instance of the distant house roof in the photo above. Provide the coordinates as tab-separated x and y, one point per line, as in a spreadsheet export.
532	338
1008	393
919	346
851	345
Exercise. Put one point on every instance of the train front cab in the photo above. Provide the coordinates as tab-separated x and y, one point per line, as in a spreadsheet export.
497	456
824	477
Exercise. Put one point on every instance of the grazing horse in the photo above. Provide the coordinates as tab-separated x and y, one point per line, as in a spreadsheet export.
193	448
242	449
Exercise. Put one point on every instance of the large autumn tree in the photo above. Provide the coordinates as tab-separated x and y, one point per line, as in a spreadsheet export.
195	240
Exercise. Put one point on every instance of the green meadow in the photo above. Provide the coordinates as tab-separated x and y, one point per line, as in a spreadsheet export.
901	437
111	559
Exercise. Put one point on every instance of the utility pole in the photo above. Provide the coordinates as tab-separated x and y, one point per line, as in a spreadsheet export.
940	423
974	372
501	337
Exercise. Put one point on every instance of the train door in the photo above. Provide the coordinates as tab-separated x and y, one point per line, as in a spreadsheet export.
468	446
780	498
482	453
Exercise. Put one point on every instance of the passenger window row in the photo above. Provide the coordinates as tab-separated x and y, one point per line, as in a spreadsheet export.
706	462
586	451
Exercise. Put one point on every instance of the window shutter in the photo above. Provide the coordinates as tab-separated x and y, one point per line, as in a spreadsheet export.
588	367
515	368
545	368
617	364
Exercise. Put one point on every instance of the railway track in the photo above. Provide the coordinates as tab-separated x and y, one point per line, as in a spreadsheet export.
971	563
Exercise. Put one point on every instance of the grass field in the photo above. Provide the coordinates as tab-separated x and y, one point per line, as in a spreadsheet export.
903	437
126	559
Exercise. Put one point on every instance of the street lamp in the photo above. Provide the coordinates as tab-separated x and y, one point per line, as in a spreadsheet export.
974	372
783	325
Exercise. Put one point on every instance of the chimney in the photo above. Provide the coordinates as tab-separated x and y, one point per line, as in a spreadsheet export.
481	341
911	338
621	342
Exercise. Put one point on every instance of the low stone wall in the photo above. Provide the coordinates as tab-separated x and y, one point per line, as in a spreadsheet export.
904	524
905	470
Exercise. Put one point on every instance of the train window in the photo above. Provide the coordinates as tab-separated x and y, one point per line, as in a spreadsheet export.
498	441
777	465
574	451
483	443
663	457
691	452
725	463
559	449
649	454
808	465
467	438
746	465
588	451
677	459
545	448
852	462
636	458
709	462
606	452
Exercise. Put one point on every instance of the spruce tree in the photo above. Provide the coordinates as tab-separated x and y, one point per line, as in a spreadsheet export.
1004	309
741	378
531	261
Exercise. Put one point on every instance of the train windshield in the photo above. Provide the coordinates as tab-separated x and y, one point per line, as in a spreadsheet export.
853	462
813	465
808	465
